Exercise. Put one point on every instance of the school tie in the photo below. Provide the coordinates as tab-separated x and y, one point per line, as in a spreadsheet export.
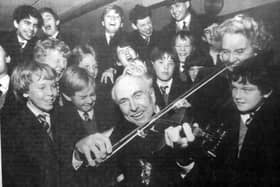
86	116
250	119
182	74
147	41
46	126
163	90
89	124
21	44
184	26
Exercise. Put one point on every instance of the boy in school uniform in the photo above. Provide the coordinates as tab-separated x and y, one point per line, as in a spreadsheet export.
84	56
51	27
78	120
20	42
112	21
144	37
29	140
167	86
249	154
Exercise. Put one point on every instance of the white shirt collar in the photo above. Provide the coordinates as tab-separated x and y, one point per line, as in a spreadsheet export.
244	117
36	111
20	40
168	83
90	114
187	21
108	37
4	81
54	35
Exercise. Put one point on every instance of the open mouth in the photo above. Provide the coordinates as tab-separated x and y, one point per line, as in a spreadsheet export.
129	59
112	24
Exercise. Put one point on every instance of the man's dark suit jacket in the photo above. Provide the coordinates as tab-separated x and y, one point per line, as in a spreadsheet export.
105	52
29	155
169	31
70	130
12	47
258	162
141	46
165	171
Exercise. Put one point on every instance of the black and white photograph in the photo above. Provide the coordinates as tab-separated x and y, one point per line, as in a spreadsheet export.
140	93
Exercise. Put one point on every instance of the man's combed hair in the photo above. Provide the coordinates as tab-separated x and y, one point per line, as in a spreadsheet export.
135	69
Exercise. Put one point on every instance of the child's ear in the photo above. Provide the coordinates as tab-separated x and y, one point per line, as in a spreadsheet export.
15	24
187	3
133	26
57	22
102	23
7	59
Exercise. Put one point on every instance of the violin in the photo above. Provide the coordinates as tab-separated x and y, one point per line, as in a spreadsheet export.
210	139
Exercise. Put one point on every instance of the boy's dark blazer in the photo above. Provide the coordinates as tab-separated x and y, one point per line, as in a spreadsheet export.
177	88
165	170
141	46
105	52
29	155
69	132
168	32
12	47
258	163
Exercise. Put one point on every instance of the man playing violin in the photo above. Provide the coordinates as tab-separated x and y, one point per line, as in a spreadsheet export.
142	162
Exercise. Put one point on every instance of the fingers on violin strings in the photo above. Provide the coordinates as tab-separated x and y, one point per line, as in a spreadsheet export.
188	132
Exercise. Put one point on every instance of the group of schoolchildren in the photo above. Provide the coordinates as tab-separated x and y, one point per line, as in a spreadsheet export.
55	91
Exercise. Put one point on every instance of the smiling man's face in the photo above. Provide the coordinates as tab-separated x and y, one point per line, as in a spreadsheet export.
135	99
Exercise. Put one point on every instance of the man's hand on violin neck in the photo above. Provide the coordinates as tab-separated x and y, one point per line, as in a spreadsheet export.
97	145
180	135
183	103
